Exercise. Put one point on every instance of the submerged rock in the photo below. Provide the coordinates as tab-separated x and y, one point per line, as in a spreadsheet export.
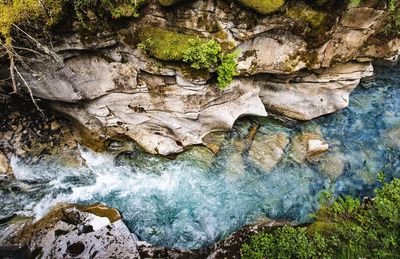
214	141
307	146
332	165
267	150
392	138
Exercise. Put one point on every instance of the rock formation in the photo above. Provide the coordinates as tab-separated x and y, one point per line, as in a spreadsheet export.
300	61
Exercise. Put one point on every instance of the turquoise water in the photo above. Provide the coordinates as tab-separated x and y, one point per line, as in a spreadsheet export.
197	199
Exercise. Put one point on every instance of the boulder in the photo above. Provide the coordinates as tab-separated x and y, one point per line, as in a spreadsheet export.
307	146
392	138
71	231
267	150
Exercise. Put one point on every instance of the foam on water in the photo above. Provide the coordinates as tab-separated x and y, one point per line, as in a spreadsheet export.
191	202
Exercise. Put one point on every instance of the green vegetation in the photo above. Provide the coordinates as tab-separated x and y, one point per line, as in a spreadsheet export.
200	53
87	11
264	6
345	228
227	70
355	2
168	2
392	27
287	242
301	12
392	5
166	45
24	11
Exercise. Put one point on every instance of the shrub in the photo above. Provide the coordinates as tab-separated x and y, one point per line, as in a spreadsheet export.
344	229
286	242
114	9
202	54
392	27
227	69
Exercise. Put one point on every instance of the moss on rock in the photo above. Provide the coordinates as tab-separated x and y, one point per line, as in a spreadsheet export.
19	11
165	44
304	13
264	6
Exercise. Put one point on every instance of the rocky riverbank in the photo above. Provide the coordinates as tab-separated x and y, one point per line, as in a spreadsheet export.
123	80
92	231
30	134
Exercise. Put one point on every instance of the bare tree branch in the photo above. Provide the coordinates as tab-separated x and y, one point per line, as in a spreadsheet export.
30	91
42	47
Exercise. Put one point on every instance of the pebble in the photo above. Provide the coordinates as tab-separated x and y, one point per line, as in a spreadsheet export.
54	125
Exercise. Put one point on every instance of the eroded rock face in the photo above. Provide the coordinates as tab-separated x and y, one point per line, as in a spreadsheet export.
79	231
112	88
166	119
272	54
308	95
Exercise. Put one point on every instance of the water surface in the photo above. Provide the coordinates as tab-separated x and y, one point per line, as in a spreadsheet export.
198	199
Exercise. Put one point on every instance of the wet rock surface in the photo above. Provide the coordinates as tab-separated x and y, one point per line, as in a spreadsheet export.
96	231
267	150
71	231
306	146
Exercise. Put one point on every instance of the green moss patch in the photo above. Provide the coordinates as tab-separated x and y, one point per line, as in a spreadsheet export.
165	44
264	6
20	11
304	13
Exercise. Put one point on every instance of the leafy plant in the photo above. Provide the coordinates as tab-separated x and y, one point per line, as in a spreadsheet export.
227	69
287	242
202	55
355	2
114	9
392	5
